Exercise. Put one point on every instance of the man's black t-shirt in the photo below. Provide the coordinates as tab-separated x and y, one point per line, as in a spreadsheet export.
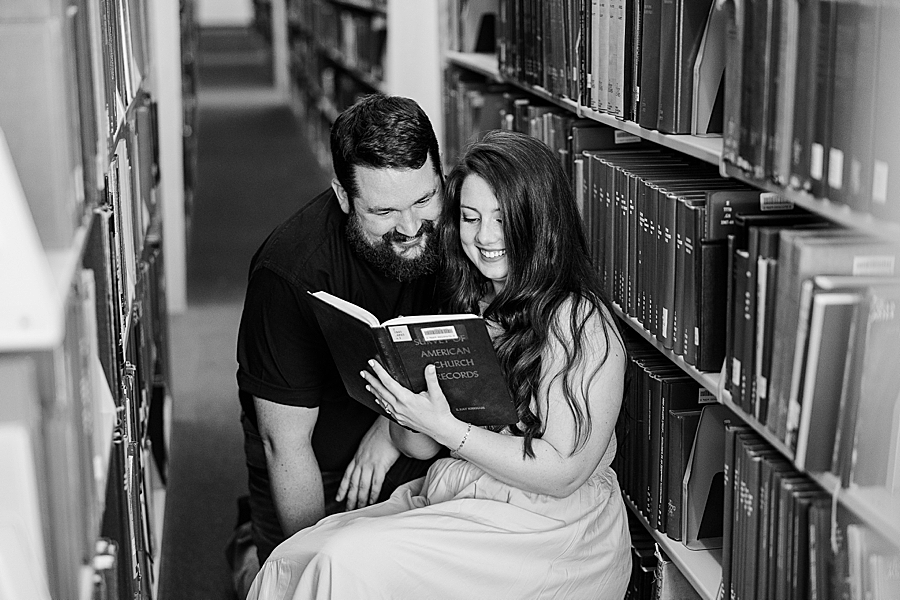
281	352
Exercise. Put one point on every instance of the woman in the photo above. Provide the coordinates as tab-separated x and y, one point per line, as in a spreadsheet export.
534	510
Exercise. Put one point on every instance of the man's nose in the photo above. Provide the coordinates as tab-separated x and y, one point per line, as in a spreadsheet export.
409	223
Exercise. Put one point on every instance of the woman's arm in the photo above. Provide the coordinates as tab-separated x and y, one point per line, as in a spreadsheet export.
554	470
413	444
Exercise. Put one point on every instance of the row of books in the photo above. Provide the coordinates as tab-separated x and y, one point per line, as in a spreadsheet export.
654	62
355	37
787	539
812	327
85	421
655	434
810	97
653	574
658	223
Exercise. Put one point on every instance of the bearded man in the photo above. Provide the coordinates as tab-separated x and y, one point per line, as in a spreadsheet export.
311	449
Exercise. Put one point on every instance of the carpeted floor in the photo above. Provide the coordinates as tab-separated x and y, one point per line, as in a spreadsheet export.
254	169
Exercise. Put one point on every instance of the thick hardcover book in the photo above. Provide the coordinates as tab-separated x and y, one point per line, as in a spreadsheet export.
682	25
459	347
676	392
734	52
804	253
804	92
876	448
648	104
885	166
813	419
858	161
847	44
824	96
731	495
773	468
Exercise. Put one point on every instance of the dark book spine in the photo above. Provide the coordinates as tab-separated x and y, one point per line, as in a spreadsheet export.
668	59
858	172
682	224
821	135
739	263
886	151
804	92
668	257
734	41
679	441
690	290
847	44
711	305
648	115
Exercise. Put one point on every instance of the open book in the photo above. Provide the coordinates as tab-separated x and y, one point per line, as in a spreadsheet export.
457	345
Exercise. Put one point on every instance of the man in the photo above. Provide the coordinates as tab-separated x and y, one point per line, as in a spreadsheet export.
369	239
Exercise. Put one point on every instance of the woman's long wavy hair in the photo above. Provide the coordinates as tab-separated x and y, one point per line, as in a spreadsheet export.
549	265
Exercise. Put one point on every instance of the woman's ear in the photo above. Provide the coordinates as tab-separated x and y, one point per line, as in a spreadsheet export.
341	193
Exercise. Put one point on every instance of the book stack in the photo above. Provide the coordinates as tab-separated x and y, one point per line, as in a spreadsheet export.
655	218
658	63
655	434
89	380
809	99
800	332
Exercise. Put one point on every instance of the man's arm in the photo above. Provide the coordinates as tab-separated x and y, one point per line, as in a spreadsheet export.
294	474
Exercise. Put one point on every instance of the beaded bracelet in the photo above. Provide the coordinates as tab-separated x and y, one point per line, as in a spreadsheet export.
463	442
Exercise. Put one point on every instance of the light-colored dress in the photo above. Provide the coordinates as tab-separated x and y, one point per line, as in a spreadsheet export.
460	533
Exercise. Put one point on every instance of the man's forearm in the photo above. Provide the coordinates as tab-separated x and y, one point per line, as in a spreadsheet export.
296	490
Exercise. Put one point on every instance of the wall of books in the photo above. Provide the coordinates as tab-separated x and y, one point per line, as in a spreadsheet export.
736	164
337	51
83	324
343	49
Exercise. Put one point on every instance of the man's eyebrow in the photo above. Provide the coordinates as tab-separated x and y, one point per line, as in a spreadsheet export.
429	194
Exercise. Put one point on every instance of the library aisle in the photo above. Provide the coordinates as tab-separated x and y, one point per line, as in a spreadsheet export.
253	169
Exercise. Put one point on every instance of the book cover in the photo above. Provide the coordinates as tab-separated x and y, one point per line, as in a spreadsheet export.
804	93
734	49
858	160
458	345
877	428
707	96
847	44
804	253
682	25
885	165
648	115
731	495
824	96
674	392
812	421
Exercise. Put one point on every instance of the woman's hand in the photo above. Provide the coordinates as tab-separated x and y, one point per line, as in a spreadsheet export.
426	412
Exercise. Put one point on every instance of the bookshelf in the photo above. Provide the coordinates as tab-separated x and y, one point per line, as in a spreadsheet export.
343	49
550	77
83	336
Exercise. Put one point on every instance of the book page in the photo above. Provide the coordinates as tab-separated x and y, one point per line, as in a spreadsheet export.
415	319
351	309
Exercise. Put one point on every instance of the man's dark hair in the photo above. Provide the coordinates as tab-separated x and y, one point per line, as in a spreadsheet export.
381	132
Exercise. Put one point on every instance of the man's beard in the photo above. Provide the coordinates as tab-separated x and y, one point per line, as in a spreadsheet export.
383	256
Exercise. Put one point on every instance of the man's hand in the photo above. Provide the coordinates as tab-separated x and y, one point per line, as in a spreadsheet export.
364	475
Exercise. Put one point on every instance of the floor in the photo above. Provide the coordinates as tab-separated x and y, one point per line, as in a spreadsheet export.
254	169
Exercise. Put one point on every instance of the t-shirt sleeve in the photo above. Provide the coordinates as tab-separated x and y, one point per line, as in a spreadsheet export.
281	353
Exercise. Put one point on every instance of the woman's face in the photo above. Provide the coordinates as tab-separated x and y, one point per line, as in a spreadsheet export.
481	230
